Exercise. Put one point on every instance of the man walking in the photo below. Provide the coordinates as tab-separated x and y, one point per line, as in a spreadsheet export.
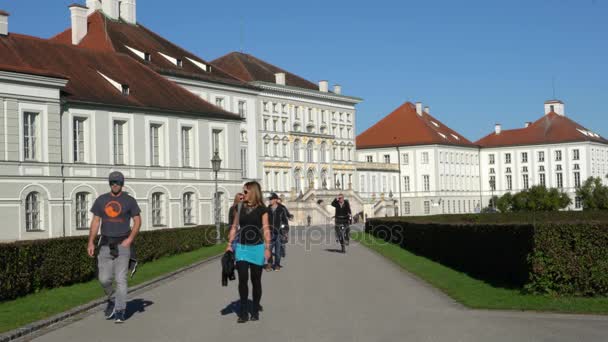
115	211
279	224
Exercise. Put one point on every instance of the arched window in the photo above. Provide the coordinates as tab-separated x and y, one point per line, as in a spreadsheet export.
285	149
32	212
296	150
188	204
82	210
298	184
310	152
157	209
311	179
323	152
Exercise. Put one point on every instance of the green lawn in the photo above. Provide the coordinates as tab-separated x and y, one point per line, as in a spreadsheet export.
22	311
475	293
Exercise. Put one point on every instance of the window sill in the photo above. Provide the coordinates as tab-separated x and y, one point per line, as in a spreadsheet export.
34	230
159	226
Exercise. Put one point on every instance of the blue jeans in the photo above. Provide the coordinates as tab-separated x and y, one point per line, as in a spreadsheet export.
275	248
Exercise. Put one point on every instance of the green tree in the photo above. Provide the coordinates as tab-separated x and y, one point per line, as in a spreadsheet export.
593	194
536	198
505	203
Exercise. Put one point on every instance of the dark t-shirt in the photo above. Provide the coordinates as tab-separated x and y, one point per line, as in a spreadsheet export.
250	222
116	213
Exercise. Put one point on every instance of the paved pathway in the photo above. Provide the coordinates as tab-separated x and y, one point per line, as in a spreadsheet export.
322	296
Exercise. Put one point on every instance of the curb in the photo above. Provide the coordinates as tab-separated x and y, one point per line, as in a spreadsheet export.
44	323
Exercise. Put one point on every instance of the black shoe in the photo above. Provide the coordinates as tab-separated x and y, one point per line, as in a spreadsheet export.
260	308
255	316
120	316
109	310
243	317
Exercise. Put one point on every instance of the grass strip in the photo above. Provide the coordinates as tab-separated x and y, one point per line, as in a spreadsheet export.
46	303
475	293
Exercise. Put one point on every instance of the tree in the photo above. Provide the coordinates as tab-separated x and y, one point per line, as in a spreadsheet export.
505	203
537	198
593	194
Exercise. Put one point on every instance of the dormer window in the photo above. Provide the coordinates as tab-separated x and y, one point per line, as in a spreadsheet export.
125	90
180	63
201	65
147	57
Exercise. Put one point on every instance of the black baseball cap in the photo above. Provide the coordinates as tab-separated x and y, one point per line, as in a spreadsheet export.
116	177
273	195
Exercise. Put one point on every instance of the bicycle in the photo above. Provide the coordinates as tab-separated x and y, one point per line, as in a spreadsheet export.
341	235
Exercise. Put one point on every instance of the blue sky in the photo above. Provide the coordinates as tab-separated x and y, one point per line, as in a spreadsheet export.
475	63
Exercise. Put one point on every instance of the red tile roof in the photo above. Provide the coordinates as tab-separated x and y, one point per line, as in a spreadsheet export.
105	34
249	68
404	127
549	129
148	90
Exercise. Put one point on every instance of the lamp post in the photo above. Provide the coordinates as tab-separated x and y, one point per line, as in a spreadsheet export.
216	162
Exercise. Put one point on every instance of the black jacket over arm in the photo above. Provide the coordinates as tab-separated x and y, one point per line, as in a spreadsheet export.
228	261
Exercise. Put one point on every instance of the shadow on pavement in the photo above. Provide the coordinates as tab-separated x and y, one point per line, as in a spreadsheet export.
333	250
235	307
137	306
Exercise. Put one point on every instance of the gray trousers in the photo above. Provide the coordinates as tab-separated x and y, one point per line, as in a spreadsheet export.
114	269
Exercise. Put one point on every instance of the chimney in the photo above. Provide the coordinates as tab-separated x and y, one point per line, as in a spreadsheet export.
280	78
93	5
497	129
419	108
128	11
3	23
337	89
110	8
79	22
555	106
323	86
427	109
528	124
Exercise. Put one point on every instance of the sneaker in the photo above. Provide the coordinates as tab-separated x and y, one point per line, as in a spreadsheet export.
120	316
109	310
260	308
268	268
277	268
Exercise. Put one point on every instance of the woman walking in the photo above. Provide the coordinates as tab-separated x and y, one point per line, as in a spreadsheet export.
252	247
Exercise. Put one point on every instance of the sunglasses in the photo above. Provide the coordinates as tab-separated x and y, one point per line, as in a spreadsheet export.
116	183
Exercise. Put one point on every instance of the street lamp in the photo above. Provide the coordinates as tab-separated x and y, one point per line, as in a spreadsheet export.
216	162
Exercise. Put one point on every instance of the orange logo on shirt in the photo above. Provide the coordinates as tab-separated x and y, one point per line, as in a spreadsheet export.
113	209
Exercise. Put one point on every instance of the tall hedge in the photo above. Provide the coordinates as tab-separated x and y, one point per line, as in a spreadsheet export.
569	258
29	266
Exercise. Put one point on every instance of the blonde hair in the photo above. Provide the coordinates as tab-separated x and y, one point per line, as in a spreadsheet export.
255	194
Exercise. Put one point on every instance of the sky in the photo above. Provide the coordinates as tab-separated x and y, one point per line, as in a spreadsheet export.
475	63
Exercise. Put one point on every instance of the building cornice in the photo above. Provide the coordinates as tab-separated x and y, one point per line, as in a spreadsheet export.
37	80
306	92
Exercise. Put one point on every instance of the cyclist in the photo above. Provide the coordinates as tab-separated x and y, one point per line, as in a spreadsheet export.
343	216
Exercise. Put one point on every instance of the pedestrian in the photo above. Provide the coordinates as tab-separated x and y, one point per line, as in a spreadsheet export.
114	210
252	248
278	216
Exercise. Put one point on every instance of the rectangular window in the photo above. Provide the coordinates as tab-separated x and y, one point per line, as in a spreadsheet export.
155	145
387	158
541	179
265	106
157	218
492	159
425	157
577	179
118	137
186	140
560	180
406	183
558	155
525	182
427	207
576	154
507	158
243	162
370	159
187	205
493	183
406	158
578	203
242	109
426	182
406	208
216	142
219	101
82	211
541	156
30	139
524	157
509	182
79	140
32	212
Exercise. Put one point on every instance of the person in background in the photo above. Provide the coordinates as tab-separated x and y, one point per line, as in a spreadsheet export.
252	249
343	215
278	217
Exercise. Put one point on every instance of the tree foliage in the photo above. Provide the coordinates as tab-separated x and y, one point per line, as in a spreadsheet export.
536	198
593	194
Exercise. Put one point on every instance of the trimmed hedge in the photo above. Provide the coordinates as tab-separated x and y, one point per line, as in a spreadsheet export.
29	266
546	258
511	217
